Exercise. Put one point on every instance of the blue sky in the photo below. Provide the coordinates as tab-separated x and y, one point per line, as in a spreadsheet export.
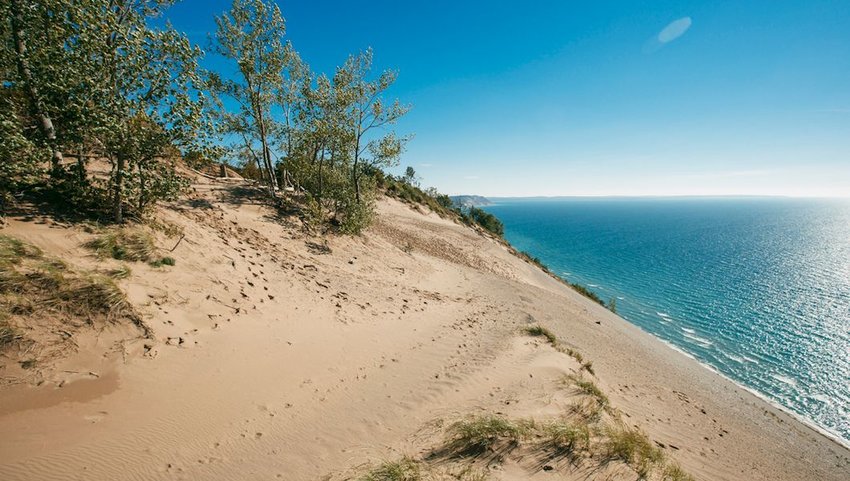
599	97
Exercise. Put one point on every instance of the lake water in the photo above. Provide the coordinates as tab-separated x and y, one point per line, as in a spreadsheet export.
757	288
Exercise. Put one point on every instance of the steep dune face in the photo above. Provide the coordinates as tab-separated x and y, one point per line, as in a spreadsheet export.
282	355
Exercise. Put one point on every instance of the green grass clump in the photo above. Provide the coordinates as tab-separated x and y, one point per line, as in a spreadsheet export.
480	433
673	472
567	437
124	244
540	331
633	447
405	469
587	293
165	261
589	388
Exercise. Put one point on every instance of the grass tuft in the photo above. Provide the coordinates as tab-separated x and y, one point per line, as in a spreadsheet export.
589	388
633	447
480	433
540	331
405	469
124	244
567	437
121	272
673	472
165	261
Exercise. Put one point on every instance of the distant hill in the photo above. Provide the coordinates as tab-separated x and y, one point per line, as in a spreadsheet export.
467	201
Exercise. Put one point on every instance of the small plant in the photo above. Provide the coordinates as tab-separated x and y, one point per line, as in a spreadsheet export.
124	244
480	433
540	331
588	411
406	469
122	272
567	437
633	447
589	388
612	305
673	472
588	366
165	261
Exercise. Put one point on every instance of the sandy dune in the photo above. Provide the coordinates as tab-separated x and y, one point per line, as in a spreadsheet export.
278	356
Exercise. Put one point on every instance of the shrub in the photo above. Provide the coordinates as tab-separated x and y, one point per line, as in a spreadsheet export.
487	220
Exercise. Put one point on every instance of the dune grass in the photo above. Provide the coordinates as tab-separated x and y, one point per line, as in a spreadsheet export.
126	244
633	447
479	433
674	472
165	261
567	436
9	335
31	284
405	469
540	331
589	388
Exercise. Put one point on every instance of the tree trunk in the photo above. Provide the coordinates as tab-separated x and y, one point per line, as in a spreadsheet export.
45	123
81	167
117	199
266	154
354	174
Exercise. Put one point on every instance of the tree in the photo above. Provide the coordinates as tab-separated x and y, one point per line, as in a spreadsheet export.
362	98
252	34
410	176
20	16
148	99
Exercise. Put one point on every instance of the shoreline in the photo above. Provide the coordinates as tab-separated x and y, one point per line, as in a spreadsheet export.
360	352
764	397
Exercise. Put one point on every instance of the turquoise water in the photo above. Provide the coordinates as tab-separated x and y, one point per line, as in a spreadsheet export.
757	288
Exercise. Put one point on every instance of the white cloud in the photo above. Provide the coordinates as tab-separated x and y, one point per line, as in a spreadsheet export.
674	30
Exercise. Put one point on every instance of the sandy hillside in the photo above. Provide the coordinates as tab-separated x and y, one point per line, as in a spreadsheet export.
279	355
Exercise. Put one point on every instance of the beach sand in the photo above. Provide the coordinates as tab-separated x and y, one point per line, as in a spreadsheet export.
280	356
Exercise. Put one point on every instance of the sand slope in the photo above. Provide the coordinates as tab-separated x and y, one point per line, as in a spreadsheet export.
280	356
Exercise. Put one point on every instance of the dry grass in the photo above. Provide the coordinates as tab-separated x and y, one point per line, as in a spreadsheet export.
9	335
633	447
480	433
40	291
124	244
405	469
121	272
